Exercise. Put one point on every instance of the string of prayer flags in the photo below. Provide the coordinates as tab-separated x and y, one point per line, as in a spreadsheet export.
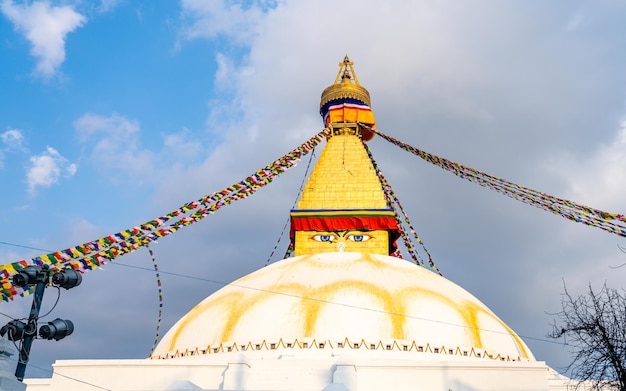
403	224
160	290
295	202
614	223
91	255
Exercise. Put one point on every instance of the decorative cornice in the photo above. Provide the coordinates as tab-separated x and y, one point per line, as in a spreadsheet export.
346	344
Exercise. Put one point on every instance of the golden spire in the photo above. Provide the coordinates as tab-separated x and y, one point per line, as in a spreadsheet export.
343	206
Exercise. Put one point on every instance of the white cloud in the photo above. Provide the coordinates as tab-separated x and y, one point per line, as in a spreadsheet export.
115	146
13	139
46	28
226	71
47	168
109	5
209	19
598	178
182	146
115	125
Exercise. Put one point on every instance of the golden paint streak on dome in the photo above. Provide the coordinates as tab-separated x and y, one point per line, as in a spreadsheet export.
518	340
471	312
467	311
229	302
321	297
313	300
404	302
364	260
247	304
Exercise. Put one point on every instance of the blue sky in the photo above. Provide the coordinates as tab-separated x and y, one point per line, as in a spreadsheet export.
115	112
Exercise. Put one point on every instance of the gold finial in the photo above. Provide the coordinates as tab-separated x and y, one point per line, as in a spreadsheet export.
343	66
348	87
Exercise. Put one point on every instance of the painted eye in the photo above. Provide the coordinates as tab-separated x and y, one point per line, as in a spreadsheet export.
359	238
324	238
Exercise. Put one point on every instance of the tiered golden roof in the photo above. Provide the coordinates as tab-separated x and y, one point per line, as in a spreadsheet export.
343	178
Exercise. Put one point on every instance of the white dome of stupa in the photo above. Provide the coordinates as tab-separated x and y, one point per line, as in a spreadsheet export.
343	300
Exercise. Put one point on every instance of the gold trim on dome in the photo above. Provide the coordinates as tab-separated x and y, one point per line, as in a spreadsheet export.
346	88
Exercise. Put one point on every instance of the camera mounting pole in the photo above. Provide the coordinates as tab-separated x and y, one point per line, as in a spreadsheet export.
30	331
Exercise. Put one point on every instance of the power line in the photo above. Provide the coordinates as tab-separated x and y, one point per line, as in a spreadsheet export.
224	284
66	376
328	302
23	246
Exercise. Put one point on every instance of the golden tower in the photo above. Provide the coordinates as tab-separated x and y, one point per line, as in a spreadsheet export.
343	206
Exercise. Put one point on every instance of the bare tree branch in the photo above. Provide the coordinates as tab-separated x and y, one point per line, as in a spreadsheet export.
595	328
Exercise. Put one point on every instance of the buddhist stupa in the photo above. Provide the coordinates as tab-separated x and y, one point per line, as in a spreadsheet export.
344	313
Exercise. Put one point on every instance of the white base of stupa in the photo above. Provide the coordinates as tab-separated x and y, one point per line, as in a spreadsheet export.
319	370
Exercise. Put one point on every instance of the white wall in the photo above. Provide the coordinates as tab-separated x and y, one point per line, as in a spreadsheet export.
302	370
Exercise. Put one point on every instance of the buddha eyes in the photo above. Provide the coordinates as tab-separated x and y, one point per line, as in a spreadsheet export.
332	237
325	238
